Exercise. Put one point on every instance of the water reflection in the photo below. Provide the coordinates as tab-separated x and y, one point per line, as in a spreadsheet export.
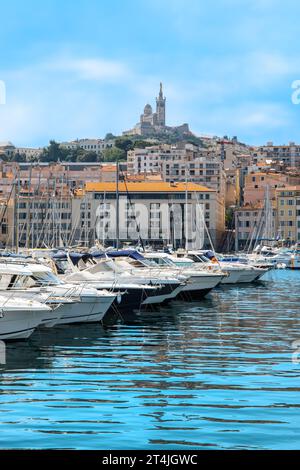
212	374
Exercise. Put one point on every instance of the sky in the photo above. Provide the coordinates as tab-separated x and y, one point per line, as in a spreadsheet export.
82	68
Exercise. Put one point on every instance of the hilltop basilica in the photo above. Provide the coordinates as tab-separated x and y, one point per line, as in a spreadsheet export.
155	123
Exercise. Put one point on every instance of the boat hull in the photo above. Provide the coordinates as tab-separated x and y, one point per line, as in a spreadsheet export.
88	309
194	294
18	324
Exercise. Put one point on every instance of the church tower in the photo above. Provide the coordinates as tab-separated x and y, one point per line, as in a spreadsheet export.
161	108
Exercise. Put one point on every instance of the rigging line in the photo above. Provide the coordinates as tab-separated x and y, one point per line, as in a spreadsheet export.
131	205
206	228
35	215
75	226
255	232
44	219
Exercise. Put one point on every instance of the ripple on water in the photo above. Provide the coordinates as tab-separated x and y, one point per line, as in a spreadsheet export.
216	374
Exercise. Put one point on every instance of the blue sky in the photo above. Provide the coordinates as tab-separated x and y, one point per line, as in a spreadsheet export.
82	68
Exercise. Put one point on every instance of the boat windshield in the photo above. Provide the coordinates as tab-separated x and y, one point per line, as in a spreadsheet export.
137	263
199	258
183	263
10	282
47	278
160	261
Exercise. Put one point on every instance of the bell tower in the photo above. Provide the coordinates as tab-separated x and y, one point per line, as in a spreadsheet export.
161	108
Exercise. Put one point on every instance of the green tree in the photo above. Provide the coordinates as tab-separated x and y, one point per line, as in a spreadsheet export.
18	157
141	144
54	152
109	136
113	154
124	144
3	157
229	217
87	157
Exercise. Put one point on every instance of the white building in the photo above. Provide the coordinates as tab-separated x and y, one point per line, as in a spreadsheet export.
92	145
181	162
288	155
164	213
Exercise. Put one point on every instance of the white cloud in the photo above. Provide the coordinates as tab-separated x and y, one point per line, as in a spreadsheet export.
48	99
90	68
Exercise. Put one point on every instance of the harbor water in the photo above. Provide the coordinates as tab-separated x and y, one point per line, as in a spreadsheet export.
221	373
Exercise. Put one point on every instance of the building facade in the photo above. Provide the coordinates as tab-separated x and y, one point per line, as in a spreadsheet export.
283	219
251	226
159	213
181	162
288	213
288	155
257	182
90	145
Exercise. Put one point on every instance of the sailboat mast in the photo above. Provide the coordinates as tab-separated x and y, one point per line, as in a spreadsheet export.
186	211
117	208
17	202
29	199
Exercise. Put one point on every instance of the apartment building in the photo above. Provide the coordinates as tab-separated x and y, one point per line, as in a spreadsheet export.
158	212
283	219
255	184
181	162
233	191
45	176
288	212
6	220
41	220
288	155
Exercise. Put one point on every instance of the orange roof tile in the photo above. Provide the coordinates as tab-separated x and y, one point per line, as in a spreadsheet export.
144	187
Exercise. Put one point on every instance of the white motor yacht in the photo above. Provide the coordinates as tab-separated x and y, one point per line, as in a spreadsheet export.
119	271
19	317
199	283
237	272
70	303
